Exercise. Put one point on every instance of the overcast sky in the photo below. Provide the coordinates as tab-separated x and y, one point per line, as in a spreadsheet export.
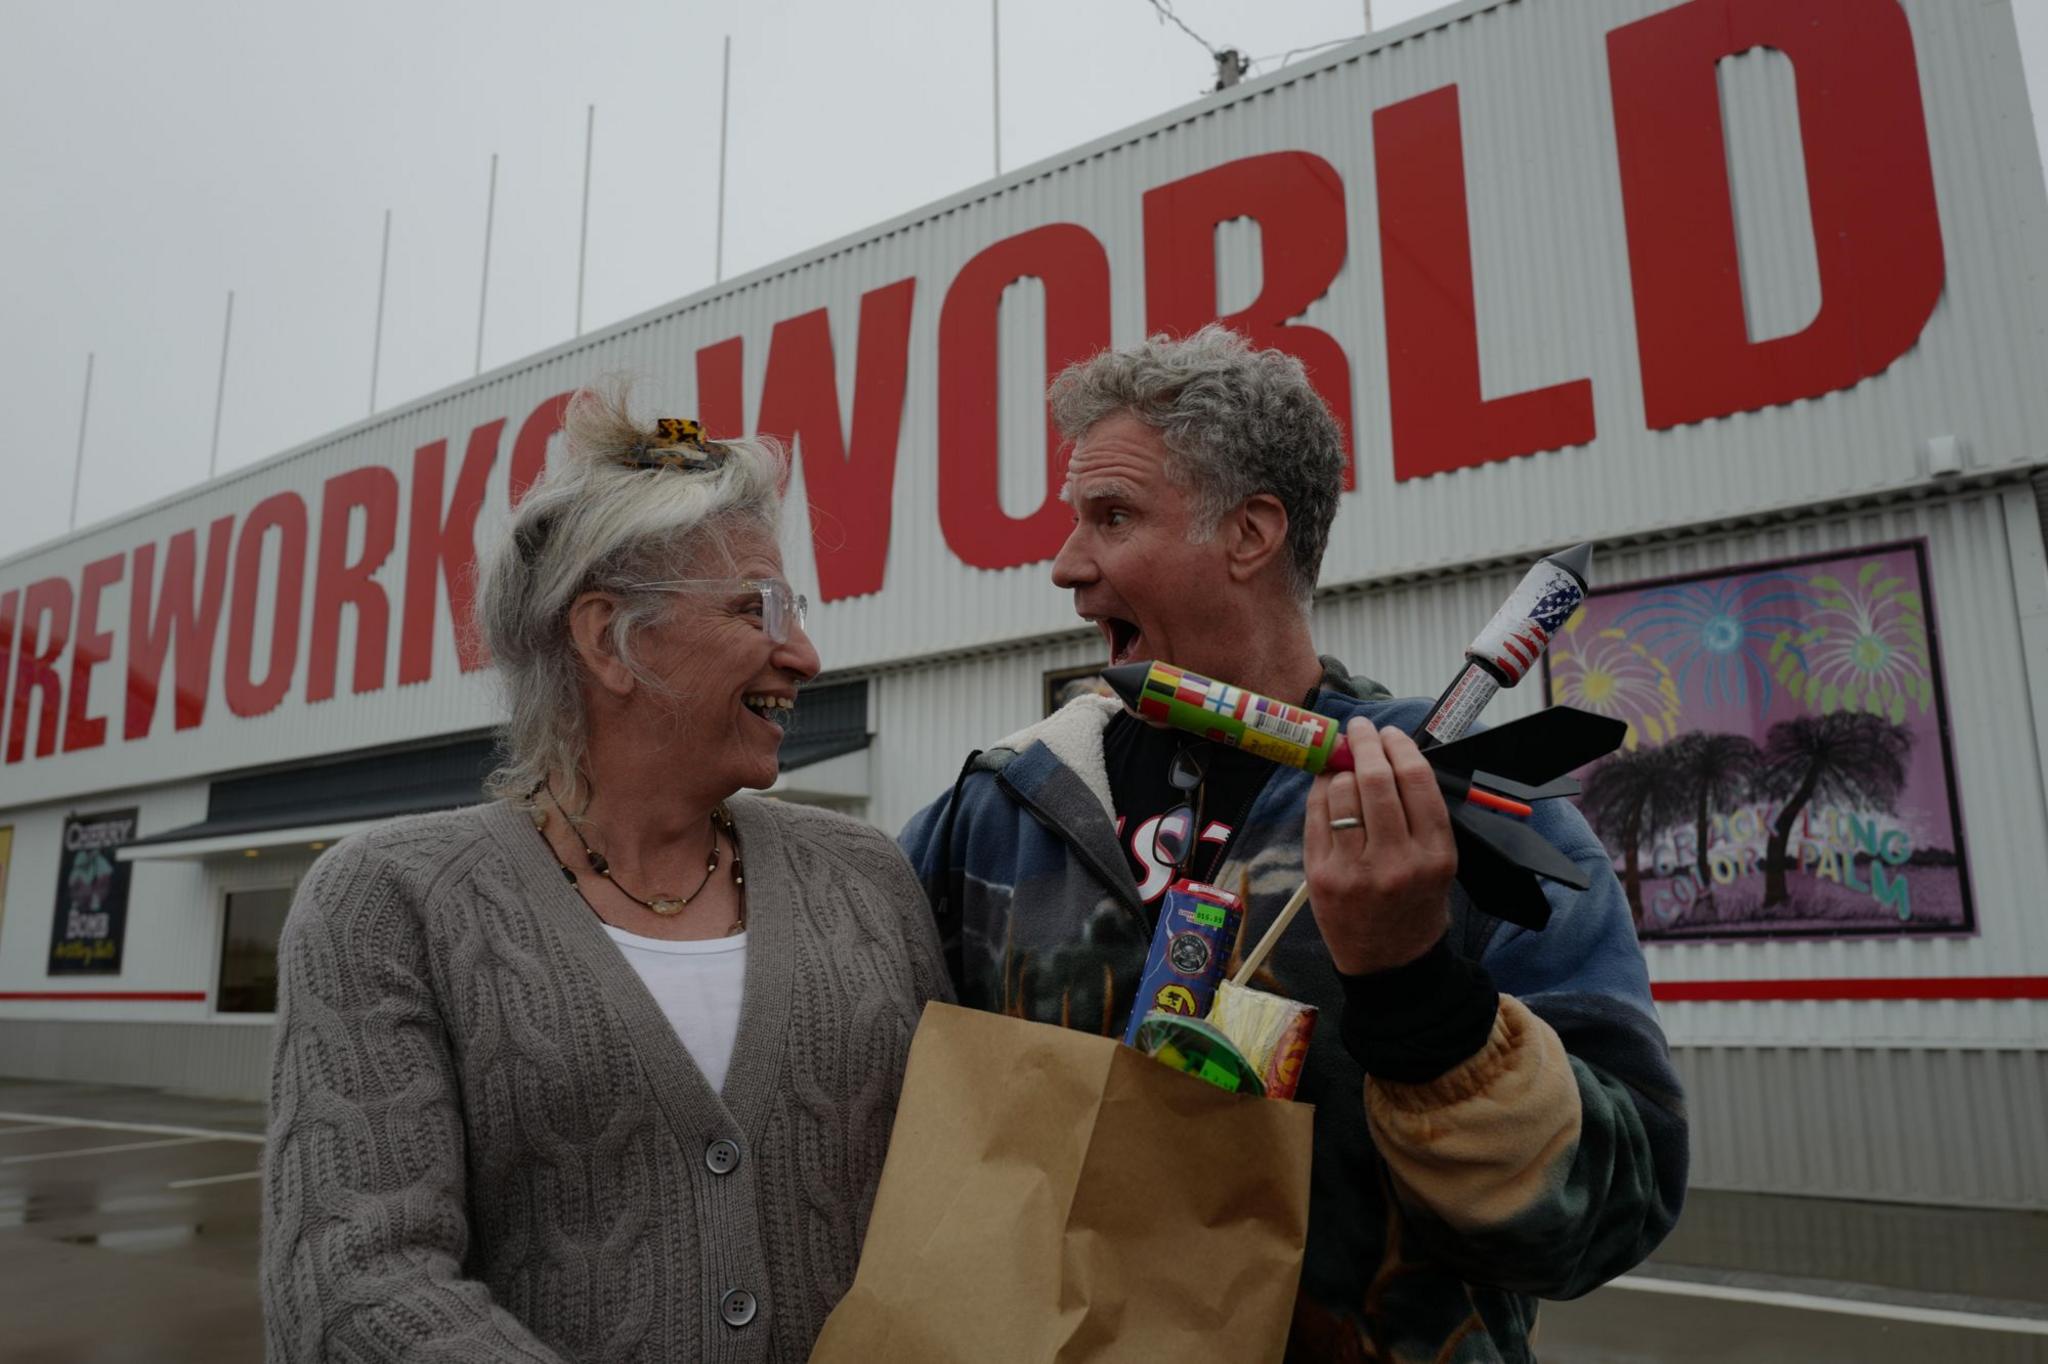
154	156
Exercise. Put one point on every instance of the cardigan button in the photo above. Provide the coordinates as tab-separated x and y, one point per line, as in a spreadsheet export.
737	1307
722	1157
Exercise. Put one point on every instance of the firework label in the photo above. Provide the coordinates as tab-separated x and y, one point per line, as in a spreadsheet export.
92	896
1197	931
1460	705
1226	714
1538	607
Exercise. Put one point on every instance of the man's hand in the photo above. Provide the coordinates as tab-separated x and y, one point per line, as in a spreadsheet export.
1380	888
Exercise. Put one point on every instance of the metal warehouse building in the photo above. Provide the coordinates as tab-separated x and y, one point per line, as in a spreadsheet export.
1749	293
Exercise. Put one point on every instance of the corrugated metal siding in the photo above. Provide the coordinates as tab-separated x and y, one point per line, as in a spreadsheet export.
1912	1125
927	720
217	1060
1552	288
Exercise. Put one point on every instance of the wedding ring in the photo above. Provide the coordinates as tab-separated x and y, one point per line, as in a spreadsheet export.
1346	823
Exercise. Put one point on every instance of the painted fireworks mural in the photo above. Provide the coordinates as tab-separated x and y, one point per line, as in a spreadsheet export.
1787	767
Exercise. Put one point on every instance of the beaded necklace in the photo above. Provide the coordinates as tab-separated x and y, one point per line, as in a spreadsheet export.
667	906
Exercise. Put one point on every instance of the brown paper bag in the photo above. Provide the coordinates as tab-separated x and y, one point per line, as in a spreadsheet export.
1051	1196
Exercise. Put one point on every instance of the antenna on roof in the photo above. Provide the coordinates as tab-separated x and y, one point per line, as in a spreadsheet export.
78	465
484	291
377	337
583	243
724	106
220	393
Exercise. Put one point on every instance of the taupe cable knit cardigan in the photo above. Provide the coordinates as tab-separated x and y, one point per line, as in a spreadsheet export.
487	1143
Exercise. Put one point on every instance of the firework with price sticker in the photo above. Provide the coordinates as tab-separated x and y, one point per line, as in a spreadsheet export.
1502	654
1196	934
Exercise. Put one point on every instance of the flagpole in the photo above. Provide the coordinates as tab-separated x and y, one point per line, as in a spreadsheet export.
583	243
724	107
377	341
995	23
484	289
78	464
220	392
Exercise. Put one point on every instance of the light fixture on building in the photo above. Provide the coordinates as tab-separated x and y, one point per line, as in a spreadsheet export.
251	852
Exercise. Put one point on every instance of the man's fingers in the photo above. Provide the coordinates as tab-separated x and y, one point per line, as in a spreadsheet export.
1422	799
1346	824
1379	799
1315	831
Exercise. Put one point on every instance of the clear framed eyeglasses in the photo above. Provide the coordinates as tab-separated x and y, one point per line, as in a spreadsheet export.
782	607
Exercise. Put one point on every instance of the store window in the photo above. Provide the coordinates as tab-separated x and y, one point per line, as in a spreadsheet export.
248	950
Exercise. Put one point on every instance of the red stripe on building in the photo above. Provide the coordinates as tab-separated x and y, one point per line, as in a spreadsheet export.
103	996
1908	987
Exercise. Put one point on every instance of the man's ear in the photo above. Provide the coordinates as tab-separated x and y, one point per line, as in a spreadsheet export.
590	631
1255	534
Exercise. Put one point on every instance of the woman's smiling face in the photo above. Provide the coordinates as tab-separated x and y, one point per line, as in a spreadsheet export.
730	686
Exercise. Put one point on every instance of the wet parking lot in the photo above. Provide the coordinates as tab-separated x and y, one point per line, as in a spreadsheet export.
129	1220
128	1225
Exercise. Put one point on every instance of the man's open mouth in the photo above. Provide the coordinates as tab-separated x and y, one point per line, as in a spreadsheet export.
1123	636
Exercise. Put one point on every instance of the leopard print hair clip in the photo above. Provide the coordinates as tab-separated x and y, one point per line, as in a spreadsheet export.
678	443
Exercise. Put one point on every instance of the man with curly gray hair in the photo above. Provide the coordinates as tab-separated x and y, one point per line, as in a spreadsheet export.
1497	1118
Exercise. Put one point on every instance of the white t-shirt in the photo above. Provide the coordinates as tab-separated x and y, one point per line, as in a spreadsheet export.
698	986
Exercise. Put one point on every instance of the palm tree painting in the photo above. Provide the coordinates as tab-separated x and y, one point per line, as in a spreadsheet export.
1857	760
1712	773
1627	797
1787	768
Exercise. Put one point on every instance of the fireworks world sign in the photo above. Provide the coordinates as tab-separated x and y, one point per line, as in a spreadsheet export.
1691	263
1787	769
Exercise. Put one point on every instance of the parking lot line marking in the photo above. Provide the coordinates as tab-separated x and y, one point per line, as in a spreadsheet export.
60	1120
104	1150
214	1179
36	1127
1853	1307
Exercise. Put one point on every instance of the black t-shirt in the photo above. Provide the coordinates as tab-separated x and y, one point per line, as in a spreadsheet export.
1139	757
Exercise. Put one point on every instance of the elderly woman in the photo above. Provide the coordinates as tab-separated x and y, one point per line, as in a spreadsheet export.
604	1069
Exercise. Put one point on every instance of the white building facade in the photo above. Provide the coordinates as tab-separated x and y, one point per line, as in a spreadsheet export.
1739	291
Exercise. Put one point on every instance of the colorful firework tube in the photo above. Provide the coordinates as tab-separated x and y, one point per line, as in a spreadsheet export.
1197	931
1231	715
1502	653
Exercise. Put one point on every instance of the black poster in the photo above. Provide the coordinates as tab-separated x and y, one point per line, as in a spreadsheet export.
92	895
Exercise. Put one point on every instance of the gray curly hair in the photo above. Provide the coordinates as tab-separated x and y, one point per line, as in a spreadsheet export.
595	524
1236	421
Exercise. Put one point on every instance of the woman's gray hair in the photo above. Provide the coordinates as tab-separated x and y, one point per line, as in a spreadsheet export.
593	523
1236	421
